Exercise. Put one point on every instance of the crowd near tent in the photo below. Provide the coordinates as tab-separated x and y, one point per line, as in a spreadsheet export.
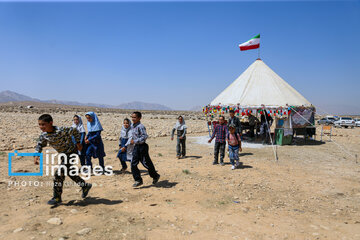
259	90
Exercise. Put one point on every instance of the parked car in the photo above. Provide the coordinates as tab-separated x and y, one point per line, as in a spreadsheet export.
357	122
327	120
345	122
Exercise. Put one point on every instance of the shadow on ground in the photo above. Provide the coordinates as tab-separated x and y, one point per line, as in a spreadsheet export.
161	184
118	172
93	201
196	157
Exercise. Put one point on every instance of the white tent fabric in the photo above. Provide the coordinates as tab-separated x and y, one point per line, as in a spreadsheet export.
257	86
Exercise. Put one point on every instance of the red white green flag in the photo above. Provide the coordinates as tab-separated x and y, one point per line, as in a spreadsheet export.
251	44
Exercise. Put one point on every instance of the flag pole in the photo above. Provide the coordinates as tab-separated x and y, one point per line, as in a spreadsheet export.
259	52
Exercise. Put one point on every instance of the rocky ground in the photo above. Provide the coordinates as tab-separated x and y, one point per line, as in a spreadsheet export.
311	192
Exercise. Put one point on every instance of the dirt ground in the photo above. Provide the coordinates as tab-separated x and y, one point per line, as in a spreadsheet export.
311	192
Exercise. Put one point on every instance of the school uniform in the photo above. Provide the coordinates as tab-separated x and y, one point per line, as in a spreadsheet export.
81	129
180	129
125	141
141	153
95	148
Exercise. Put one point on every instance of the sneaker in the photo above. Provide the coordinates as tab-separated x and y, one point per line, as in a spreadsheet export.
222	163
137	184
178	157
85	190
233	167
123	170
54	201
155	180
215	162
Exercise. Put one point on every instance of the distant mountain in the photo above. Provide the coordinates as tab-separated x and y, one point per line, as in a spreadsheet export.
74	103
10	96
196	108
143	106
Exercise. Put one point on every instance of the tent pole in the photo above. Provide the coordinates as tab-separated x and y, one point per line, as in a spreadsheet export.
272	144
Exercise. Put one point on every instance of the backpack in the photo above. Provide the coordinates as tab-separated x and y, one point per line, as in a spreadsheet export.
238	138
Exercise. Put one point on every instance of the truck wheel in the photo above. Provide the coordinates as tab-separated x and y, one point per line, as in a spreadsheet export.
346	126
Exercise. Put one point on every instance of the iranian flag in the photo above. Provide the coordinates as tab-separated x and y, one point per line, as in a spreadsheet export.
251	44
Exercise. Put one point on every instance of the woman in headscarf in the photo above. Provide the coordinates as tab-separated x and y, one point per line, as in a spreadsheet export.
78	124
125	146
180	129
95	145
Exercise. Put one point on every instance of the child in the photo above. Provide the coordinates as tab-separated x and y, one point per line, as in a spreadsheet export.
125	151
78	124
220	143
60	138
95	145
220	132
234	143
180	128
141	151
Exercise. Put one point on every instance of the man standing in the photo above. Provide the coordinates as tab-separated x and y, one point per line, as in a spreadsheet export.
234	120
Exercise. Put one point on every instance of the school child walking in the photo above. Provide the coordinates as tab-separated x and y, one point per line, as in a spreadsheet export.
95	145
125	147
141	151
60	138
78	124
234	142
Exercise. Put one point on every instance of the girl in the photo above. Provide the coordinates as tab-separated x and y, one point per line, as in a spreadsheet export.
234	142
180	128
125	151
78	124
95	145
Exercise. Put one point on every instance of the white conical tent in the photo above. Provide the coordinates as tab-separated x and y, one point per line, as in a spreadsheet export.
257	86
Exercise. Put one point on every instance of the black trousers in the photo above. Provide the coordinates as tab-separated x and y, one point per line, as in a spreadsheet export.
181	147
141	154
59	178
219	147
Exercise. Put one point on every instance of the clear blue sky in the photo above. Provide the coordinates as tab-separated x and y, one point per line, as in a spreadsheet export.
179	54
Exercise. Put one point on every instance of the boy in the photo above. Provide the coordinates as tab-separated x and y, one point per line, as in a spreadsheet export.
141	151
60	138
234	143
220	132
234	120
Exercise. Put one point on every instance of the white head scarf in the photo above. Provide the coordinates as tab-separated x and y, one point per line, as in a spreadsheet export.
80	126
124	133
180	126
